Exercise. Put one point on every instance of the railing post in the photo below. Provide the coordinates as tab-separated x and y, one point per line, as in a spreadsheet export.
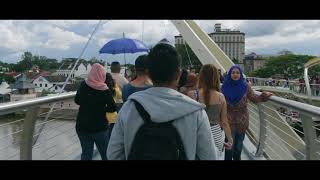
309	136
27	134
262	133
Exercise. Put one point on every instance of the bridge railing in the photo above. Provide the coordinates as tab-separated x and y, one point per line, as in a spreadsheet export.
293	86
278	134
33	137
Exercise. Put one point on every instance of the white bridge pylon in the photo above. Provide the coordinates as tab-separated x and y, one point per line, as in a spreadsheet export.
202	45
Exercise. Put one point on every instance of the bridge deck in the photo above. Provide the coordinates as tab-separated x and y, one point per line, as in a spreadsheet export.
57	141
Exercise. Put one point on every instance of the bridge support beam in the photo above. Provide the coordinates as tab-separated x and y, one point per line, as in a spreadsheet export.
27	134
306	79
310	136
263	132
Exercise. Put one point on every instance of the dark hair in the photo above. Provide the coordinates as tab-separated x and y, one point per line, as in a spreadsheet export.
141	65
209	80
183	79
110	83
115	67
164	62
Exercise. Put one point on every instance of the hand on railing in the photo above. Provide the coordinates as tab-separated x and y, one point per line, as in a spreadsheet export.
266	95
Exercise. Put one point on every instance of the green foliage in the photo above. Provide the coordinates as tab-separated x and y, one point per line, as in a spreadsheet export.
7	78
45	92
236	61
183	51
289	65
28	61
95	60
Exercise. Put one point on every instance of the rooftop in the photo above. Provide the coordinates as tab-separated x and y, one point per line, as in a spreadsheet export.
56	78
69	63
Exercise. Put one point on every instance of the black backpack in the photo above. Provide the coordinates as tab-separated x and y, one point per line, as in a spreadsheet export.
156	141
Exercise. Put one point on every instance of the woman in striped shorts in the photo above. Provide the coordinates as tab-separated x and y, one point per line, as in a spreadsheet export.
216	107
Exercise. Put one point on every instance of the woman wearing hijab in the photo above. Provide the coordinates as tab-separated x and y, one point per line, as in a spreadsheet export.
94	99
237	92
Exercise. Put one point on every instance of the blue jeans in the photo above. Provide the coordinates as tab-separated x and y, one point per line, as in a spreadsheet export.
87	141
235	152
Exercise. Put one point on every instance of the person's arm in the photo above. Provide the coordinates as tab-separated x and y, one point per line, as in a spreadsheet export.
77	98
124	81
124	94
115	150
255	98
205	149
111	105
225	123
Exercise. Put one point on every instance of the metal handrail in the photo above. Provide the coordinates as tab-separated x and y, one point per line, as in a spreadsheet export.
308	112
306	108
292	85
6	108
32	106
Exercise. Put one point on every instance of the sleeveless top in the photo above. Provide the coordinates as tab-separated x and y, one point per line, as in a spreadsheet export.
214	111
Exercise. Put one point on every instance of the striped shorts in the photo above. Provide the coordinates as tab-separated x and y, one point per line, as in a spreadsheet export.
218	136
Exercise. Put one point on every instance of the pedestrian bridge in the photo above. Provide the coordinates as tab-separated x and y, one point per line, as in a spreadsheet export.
270	136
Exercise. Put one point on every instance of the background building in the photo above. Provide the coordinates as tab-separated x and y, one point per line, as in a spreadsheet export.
231	42
253	62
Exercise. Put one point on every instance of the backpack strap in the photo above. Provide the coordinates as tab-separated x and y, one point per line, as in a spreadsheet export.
143	113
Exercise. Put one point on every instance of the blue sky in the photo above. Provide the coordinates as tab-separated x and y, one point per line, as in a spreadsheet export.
66	38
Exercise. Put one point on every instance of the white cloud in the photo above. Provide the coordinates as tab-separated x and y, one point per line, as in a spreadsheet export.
288	34
12	37
60	38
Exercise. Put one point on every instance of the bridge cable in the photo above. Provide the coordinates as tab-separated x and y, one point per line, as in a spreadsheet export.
69	76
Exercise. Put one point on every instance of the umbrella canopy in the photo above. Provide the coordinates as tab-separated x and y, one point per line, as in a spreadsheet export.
123	45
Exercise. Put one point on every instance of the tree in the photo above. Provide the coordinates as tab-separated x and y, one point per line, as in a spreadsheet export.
236	61
53	64
289	65
95	60
184	51
26	62
9	79
45	92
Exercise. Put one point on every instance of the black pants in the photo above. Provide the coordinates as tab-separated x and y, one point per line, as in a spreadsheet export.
110	130
87	141
235	152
